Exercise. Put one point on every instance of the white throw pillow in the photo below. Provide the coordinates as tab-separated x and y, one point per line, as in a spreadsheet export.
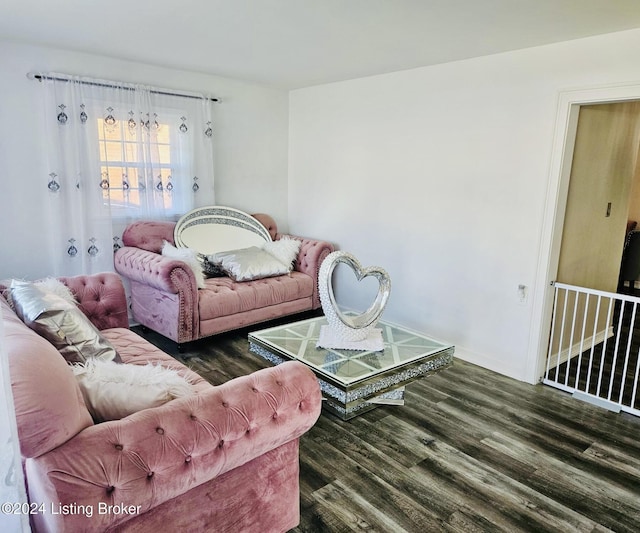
55	286
246	264
286	250
113	391
188	256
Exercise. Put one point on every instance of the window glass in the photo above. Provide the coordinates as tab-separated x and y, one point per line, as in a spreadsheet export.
129	168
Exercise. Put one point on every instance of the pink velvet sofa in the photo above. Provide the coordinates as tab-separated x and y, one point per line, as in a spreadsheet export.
165	297
222	459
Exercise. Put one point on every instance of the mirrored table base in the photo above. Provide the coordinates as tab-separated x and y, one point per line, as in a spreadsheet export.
344	395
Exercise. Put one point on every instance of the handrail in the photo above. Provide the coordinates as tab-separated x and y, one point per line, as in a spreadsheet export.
597	292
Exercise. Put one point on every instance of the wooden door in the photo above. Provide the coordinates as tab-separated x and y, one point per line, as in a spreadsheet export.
602	173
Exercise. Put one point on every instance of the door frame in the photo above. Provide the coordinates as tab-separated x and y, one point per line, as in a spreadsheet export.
566	126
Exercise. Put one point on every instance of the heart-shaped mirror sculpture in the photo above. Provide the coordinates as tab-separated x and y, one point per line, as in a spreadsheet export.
352	328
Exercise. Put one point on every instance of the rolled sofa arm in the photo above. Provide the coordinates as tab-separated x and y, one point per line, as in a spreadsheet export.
156	454
312	253
162	275
155	270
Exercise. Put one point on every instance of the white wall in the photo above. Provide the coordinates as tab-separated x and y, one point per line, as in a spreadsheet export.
440	175
251	124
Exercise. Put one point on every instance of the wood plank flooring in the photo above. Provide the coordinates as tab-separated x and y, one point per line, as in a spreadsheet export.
470	451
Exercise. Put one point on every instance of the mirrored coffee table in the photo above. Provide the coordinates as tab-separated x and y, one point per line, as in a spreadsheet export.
355	381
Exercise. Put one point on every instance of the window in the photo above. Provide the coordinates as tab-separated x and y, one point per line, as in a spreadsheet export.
118	153
125	163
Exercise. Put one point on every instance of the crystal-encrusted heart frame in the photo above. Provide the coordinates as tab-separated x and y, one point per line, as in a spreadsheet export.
351	327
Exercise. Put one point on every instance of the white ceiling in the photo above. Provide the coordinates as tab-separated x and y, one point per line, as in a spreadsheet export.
297	43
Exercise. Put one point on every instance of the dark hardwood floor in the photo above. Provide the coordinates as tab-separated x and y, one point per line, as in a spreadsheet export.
470	451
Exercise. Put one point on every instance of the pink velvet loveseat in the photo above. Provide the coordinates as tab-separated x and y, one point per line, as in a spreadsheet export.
222	459
165	297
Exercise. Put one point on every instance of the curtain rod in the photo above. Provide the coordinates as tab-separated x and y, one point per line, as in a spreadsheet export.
40	77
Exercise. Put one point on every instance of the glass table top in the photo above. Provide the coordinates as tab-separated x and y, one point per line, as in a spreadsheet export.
298	341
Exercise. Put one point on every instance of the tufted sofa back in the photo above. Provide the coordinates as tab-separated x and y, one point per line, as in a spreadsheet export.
102	298
268	222
148	235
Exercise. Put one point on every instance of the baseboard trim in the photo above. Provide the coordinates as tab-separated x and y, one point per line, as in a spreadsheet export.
566	354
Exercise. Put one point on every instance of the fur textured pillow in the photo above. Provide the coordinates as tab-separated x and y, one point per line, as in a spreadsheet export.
286	250
113	391
188	256
55	286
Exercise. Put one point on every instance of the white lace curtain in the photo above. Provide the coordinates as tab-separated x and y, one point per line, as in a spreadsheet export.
118	153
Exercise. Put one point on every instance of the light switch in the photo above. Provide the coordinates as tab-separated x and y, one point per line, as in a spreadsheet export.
522	294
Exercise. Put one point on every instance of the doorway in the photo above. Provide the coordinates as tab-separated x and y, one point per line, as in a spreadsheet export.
603	171
593	345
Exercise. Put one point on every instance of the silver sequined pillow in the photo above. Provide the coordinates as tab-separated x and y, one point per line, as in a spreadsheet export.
247	264
61	323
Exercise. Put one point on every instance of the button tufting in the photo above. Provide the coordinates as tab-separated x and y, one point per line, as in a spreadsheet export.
254	389
160	431
110	489
221	444
225	404
193	417
275	415
119	446
149	475
187	459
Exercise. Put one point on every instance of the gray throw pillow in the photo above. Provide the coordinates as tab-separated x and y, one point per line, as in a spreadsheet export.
61	323
209	269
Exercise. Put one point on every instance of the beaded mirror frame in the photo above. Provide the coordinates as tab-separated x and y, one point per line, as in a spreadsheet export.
212	229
